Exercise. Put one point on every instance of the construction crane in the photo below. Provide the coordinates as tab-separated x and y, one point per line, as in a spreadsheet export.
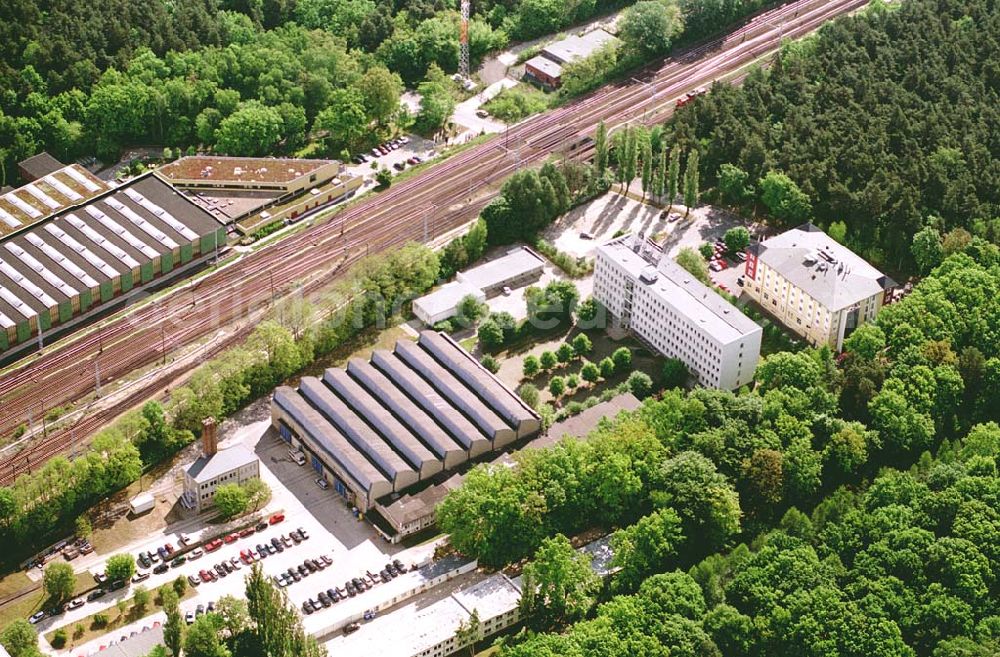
463	41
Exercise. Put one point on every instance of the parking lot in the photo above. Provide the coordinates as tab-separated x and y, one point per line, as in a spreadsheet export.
393	159
351	546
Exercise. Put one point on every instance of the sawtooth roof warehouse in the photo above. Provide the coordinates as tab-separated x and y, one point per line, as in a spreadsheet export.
59	268
377	428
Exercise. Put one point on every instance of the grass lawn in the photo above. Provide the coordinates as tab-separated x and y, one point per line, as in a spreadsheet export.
26	605
360	346
116	619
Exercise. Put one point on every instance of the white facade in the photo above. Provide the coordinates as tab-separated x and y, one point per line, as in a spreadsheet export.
666	307
234	465
442	303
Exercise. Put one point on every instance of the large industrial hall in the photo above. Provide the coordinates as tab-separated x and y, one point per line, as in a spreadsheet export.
379	427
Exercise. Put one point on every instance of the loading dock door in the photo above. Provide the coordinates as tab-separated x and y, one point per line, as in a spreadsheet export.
338	486
317	464
285	432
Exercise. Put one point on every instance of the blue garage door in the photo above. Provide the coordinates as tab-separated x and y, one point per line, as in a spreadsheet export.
339	486
317	464
285	432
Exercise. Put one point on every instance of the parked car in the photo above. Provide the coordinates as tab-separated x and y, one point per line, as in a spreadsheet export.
205	577
37	617
351	628
286	540
200	610
303	534
261	550
169	547
143	560
95	594
179	561
160	569
247	532
481	113
213	545
230	538
326	560
261	526
189	618
140	577
162	551
307	607
115	585
276	518
295	536
235	561
196	553
322	483
75	603
294	574
100	578
376	152
334	594
183	539
193	581
324	599
220	570
399	565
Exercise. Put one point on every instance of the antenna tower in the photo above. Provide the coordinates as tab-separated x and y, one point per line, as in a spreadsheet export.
463	40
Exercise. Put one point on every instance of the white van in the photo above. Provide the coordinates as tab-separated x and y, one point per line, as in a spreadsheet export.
297	456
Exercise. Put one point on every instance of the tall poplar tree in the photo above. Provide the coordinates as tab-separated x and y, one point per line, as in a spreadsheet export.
647	165
691	182
674	174
601	149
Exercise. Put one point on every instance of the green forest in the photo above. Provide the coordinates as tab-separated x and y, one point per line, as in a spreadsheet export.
886	120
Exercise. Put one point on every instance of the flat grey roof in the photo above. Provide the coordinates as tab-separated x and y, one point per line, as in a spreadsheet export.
446	298
206	468
676	287
545	65
824	269
516	263
576	47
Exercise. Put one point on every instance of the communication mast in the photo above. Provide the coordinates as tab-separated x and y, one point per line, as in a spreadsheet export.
463	40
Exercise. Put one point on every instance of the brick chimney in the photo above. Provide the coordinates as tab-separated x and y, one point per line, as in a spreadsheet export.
209	437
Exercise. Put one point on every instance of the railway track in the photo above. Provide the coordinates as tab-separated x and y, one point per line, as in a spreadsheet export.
443	198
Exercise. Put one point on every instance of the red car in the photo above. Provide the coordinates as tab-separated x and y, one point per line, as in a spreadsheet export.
230	538
213	545
247	532
276	518
204	576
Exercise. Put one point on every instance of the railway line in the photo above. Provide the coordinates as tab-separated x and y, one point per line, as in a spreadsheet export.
439	200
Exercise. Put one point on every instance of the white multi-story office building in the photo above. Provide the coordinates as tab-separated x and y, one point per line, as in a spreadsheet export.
814	286
673	312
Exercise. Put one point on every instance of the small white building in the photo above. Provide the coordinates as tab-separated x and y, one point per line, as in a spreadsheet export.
815	286
442	303
676	314
519	266
233	465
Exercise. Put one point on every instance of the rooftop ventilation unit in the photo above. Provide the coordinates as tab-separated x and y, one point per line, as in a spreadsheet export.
649	275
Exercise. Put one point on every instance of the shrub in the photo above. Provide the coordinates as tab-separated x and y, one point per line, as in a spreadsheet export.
383	178
529	393
639	384
582	344
573	408
530	366
78	630
59	638
706	250
100	620
572	381
557	386
622	358
607	367
674	373
571	266
565	352
590	372
490	335
490	363
548	360
180	586
444	326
